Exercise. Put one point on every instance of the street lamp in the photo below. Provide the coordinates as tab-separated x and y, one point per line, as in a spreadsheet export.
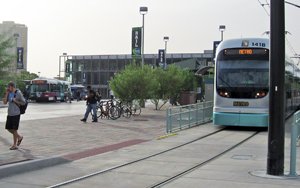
222	29
166	39
59	69
143	12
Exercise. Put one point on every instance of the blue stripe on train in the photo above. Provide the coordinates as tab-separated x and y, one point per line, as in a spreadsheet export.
237	119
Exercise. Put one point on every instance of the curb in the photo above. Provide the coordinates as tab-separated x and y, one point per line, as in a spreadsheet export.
36	164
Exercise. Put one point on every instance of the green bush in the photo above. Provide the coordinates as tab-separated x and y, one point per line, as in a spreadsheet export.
147	83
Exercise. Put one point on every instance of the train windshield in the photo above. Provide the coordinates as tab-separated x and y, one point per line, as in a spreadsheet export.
243	78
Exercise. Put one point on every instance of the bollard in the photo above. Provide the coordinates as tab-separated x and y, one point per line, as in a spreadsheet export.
168	120
189	116
180	118
294	135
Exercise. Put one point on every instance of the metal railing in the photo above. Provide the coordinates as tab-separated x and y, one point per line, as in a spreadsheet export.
188	116
295	133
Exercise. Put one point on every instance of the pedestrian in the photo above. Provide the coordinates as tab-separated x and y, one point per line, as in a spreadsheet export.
78	95
98	96
69	95
111	93
91	103
15	99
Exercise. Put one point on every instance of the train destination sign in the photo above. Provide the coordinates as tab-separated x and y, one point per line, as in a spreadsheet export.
245	51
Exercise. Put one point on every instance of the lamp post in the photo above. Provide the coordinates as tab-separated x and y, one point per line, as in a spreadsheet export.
143	12
222	29
59	69
166	39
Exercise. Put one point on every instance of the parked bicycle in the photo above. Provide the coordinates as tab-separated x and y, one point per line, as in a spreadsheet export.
114	109
107	109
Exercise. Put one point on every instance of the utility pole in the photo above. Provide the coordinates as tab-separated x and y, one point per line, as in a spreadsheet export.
275	161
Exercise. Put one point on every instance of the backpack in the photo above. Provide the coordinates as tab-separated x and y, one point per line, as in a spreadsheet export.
22	107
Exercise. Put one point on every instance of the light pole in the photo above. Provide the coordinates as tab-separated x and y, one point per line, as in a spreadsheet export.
166	39
143	12
59	66
222	29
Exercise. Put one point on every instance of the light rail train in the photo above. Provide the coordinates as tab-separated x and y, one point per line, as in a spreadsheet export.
241	84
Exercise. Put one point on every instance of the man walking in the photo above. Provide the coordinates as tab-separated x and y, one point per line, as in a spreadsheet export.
91	103
14	98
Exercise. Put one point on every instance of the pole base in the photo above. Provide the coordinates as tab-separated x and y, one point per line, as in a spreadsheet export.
263	174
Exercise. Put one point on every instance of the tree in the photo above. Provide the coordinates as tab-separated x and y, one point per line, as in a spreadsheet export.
170	83
156	84
24	75
133	83
5	59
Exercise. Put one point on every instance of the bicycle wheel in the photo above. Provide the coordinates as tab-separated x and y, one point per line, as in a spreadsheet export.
114	113
127	112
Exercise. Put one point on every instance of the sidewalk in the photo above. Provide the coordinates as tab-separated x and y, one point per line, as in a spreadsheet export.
2	105
54	137
234	169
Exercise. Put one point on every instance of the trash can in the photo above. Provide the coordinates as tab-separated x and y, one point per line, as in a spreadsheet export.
187	97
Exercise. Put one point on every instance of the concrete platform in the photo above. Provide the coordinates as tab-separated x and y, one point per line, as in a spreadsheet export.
230	170
54	130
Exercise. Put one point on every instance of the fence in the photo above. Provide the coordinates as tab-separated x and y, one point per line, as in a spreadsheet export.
294	139
187	116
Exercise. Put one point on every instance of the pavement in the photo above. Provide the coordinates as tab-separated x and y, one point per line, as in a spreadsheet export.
54	130
241	167
58	148
2	105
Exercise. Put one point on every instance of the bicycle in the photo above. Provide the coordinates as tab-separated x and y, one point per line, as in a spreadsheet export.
124	110
107	109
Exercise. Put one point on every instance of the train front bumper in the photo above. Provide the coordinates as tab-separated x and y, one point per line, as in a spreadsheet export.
241	119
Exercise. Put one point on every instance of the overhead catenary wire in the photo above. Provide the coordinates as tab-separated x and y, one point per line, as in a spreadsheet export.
263	5
293	4
289	45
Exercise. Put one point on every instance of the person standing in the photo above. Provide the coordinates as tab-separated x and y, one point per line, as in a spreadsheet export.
78	93
14	98
91	103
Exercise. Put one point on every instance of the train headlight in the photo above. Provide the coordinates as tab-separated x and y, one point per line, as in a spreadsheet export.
260	94
224	94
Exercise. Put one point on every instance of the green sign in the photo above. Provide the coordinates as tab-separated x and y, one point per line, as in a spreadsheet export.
136	42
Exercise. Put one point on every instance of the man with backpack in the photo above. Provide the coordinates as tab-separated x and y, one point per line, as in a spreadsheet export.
16	103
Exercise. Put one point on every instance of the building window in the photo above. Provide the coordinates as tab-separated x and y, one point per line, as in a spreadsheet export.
95	65
104	64
96	80
103	78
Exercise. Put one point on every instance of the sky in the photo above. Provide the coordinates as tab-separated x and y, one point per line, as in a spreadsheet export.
98	27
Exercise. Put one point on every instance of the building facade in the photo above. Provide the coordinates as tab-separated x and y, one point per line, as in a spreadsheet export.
18	33
97	70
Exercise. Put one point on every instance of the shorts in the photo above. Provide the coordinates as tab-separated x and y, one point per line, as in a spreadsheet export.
12	122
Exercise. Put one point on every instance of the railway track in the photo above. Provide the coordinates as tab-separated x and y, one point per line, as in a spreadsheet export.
169	179
182	173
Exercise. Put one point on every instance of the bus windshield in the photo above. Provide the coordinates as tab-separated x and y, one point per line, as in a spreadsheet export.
243	78
39	88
